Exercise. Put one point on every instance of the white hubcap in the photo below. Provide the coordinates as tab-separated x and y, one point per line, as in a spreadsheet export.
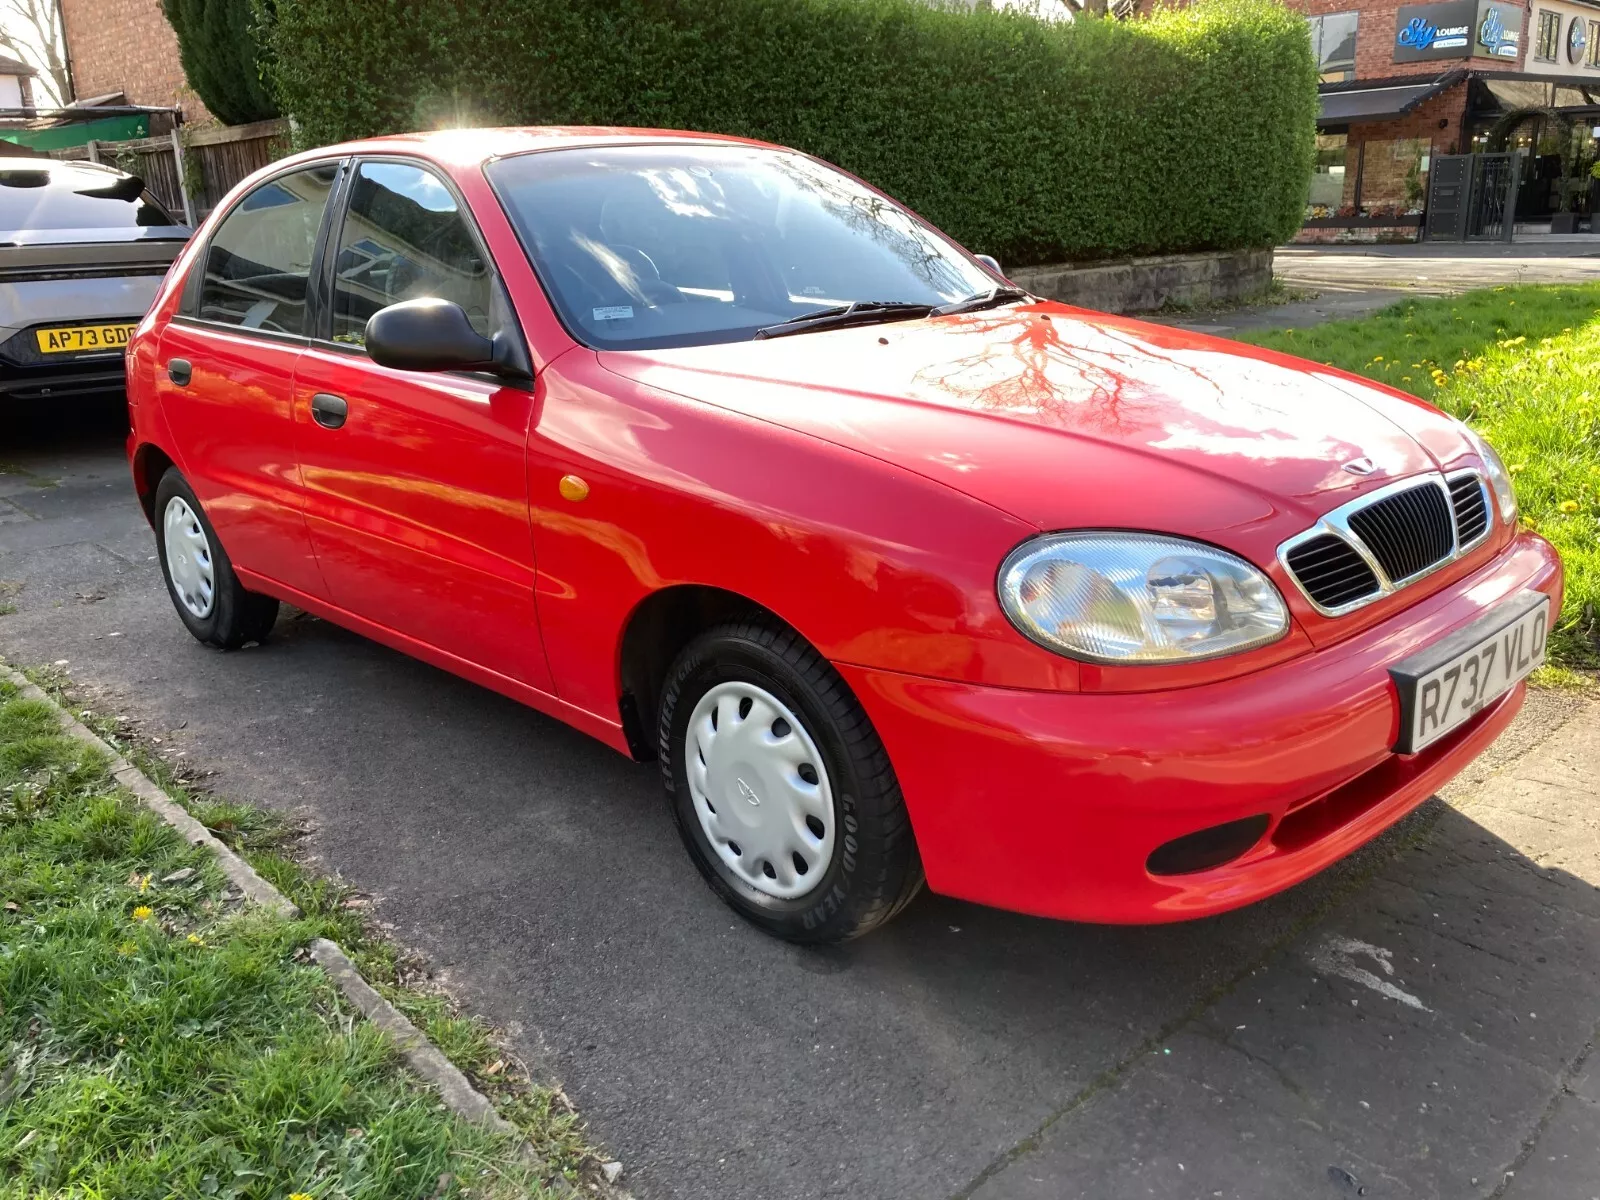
188	558
760	790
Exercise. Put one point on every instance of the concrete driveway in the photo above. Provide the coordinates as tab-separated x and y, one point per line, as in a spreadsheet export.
1415	1023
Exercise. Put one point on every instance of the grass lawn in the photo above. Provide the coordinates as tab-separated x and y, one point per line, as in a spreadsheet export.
159	1039
1522	366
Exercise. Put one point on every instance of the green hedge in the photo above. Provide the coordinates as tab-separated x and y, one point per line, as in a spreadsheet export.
218	46
1034	142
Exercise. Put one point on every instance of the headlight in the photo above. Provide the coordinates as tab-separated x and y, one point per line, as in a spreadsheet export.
1138	598
1505	496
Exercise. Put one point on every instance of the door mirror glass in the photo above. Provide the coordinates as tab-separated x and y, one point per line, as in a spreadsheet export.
428	335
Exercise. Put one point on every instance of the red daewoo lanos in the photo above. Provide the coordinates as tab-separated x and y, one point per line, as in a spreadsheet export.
723	457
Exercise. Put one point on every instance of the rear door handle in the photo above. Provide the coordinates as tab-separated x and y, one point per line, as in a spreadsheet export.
329	411
180	370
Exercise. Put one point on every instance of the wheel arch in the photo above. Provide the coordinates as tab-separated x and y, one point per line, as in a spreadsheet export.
656	631
150	462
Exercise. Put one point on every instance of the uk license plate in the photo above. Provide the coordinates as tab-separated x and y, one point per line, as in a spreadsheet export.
1444	686
84	339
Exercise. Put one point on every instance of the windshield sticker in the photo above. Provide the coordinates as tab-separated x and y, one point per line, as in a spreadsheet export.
614	312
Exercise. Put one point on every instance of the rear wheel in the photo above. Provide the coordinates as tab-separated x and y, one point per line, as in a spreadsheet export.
782	791
210	600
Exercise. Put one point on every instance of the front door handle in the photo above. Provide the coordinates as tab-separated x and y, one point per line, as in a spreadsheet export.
329	411
180	370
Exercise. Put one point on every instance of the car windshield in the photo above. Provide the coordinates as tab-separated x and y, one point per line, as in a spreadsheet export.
68	196
642	247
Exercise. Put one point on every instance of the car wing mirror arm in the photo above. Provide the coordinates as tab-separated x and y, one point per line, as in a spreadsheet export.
510	357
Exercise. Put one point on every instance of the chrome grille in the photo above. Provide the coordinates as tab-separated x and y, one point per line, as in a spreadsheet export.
1380	542
1471	507
1407	532
1331	572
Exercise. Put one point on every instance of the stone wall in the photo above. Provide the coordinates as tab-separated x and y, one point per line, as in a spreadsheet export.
127	46
1146	284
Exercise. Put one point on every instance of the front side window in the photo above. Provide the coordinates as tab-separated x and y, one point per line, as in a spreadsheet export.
1333	41
655	246
404	238
1549	38
258	265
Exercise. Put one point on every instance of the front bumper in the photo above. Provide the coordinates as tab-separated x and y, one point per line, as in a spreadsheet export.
1051	803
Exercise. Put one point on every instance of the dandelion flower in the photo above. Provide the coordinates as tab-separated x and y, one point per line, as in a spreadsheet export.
1568	506
1377	358
127	948
301	1196
195	939
143	913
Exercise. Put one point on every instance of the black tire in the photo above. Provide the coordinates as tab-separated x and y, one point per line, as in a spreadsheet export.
236	616
875	870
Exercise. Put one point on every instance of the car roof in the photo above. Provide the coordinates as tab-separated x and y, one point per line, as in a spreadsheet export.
52	166
465	147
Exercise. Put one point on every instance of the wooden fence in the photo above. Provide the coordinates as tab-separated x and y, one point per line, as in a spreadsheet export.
209	161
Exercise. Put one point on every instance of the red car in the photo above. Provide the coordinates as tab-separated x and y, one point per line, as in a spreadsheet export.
722	456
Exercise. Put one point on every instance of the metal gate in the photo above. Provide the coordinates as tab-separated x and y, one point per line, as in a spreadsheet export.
1473	197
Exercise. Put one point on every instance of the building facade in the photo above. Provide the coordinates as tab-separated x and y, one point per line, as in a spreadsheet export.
16	90
1405	83
127	47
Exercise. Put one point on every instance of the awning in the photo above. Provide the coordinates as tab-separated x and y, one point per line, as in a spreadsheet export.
1375	104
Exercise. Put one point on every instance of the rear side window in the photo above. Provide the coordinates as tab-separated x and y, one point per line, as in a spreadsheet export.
69	196
404	238
258	265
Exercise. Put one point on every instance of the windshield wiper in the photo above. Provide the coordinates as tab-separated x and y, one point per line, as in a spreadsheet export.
994	296
858	312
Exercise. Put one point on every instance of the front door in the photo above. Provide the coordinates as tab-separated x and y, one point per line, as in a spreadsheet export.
226	369
415	483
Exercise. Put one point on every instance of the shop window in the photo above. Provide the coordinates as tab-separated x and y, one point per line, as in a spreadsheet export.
1394	175
1548	40
1593	57
1333	177
1333	41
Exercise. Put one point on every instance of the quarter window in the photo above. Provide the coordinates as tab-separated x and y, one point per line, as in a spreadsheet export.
1549	37
404	238
258	265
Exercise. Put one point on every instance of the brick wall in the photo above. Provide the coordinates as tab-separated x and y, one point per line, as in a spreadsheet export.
127	46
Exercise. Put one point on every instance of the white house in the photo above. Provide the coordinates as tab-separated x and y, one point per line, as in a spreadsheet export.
16	89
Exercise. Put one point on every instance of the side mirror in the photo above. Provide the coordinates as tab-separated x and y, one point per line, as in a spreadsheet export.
991	262
428	335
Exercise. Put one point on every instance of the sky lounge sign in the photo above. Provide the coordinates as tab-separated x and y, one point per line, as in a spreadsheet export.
1424	31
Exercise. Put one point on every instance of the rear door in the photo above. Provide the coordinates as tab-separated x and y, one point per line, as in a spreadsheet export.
416	485
225	373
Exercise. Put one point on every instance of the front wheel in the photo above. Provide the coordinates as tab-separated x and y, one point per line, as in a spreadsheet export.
210	600
782	791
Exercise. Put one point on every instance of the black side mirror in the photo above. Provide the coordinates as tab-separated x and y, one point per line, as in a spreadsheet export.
429	335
